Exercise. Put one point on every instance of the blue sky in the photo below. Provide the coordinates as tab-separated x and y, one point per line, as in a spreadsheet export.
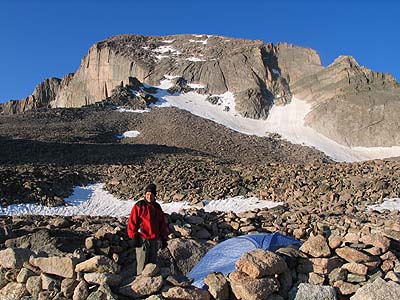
42	39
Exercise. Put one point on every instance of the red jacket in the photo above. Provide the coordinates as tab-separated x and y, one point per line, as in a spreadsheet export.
147	221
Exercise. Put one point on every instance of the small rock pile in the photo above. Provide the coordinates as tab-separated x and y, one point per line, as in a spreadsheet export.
349	262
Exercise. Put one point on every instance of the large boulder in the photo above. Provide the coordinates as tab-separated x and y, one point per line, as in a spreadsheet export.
60	266
142	286
97	264
260	263
186	253
378	290
217	286
316	246
14	258
247	288
315	292
13	291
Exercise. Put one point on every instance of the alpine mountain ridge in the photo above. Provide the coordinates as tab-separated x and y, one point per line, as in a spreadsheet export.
351	104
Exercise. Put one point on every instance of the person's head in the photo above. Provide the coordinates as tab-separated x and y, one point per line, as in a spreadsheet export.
151	191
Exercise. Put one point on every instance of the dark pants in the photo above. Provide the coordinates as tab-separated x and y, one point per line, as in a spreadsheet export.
146	253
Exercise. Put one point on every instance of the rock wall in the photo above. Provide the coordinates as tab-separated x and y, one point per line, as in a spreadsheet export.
352	105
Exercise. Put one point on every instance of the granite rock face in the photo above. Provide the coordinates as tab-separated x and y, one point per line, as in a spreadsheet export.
43	94
351	104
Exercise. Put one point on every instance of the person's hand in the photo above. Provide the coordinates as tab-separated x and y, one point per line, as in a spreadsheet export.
164	244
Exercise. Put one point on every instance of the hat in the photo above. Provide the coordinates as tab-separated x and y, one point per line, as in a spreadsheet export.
151	188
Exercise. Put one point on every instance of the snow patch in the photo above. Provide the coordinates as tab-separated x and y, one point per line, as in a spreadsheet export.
160	57
204	42
121	109
287	120
170	77
128	134
168	41
93	200
387	204
196	85
195	59
166	49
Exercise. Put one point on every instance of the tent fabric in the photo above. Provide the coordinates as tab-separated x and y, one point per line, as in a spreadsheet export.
222	257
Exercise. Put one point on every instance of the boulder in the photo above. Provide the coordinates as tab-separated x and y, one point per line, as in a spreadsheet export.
186	253
68	286
142	286
24	274
376	240
60	266
151	270
81	292
180	293
50	283
316	246
34	285
378	290
315	292
260	263
97	264
248	288
346	288
353	255
325	265
217	286
356	268
103	278
13	291
14	258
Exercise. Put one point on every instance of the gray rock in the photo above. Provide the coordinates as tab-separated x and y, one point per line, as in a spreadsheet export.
315	292
378	290
103	278
186	253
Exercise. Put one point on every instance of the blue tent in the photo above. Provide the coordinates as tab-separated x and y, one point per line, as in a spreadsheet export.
222	257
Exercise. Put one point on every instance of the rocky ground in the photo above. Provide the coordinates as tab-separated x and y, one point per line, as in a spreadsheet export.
44	154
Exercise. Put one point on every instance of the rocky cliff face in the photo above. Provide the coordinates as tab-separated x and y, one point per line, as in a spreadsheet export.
243	67
351	104
41	97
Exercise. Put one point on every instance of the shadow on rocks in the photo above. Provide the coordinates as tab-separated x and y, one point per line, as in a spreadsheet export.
22	151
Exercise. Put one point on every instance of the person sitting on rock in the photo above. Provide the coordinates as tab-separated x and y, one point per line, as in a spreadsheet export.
146	228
